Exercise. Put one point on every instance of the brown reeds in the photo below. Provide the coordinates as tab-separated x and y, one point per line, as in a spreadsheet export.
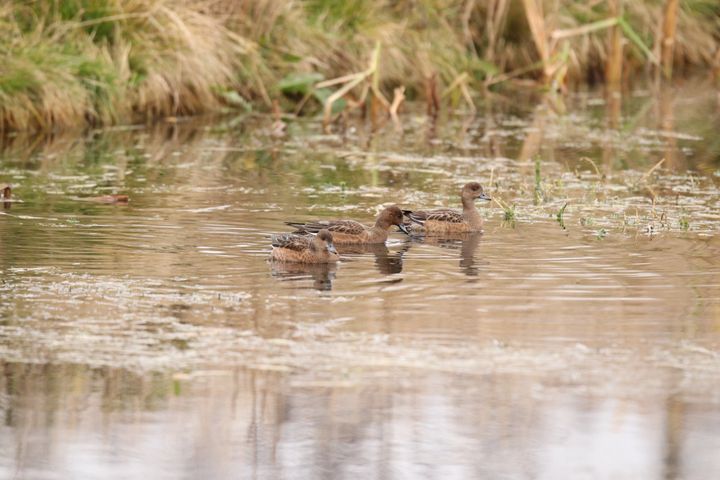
118	61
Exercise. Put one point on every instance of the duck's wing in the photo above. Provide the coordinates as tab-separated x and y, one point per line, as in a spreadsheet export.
347	227
440	215
290	241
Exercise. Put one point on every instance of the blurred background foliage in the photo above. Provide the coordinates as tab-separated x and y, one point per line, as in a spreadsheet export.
69	63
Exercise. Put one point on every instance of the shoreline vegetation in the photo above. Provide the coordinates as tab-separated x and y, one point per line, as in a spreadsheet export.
74	63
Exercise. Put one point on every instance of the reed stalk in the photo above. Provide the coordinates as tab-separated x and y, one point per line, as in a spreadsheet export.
613	66
668	36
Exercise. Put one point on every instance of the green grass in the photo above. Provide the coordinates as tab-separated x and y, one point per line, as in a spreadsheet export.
509	214
539	194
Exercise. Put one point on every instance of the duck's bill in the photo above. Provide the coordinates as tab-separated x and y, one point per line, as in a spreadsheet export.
331	248
485	197
404	229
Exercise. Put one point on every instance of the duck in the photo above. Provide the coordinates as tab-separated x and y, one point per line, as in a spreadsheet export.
288	247
346	232
6	196
445	220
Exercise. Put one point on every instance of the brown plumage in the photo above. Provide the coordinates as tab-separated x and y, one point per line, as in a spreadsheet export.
318	248
451	221
350	231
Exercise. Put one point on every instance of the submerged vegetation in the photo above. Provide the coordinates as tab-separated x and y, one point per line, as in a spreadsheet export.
65	63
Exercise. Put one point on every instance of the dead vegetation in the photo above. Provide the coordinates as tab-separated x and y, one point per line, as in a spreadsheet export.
67	63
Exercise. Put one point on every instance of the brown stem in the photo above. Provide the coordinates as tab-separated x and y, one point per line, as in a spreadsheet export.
668	36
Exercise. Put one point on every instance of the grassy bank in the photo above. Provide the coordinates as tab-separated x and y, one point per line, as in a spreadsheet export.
66	63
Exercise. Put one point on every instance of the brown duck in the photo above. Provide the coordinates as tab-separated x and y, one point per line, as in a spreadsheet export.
451	221
6	196
318	248
350	231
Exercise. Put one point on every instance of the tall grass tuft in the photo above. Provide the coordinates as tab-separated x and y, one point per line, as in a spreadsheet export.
65	63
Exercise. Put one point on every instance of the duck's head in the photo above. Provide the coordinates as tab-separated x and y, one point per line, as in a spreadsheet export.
474	191
392	215
326	238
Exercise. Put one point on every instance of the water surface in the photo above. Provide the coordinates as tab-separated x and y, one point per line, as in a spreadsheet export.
155	340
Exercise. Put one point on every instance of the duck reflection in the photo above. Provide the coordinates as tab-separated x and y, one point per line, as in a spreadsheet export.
467	243
321	274
387	262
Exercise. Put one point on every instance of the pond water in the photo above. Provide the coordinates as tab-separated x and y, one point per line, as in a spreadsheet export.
154	339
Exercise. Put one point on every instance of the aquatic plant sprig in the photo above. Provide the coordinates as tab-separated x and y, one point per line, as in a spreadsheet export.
560	216
509	211
539	194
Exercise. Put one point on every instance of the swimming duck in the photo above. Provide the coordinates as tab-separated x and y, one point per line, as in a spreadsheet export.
444	220
352	232
6	196
318	248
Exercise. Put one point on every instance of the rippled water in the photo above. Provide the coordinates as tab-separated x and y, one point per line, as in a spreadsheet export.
154	339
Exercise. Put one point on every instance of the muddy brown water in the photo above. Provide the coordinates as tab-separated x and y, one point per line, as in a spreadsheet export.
154	339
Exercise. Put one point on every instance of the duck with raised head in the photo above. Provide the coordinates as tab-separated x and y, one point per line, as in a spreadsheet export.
445	220
351	232
288	247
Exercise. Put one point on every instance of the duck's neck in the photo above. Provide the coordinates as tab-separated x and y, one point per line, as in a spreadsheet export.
382	225
471	213
379	231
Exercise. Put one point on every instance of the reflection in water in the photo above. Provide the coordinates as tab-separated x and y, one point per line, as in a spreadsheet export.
468	264
322	274
386	262
467	243
666	124
70	421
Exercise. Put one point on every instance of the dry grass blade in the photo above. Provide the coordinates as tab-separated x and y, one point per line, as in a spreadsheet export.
591	162
650	172
585	29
